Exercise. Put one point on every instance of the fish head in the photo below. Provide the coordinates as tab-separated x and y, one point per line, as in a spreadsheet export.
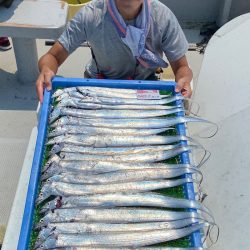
62	97
53	161
49	243
43	235
57	93
57	131
54	114
51	205
64	120
62	103
46	192
56	149
43	222
50	180
50	172
56	140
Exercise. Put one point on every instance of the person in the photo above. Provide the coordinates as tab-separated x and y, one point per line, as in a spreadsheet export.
4	43
127	40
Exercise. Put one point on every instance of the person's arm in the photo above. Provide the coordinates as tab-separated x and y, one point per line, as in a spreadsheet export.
183	76
48	66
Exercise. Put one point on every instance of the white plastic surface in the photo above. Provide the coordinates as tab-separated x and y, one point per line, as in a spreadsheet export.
224	81
223	92
15	220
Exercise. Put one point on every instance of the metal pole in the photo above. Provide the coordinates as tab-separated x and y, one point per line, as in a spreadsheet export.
26	59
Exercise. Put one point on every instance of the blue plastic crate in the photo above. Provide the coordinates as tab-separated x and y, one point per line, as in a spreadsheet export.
28	215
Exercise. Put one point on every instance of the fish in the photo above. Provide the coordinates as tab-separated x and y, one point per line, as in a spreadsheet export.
132	248
130	101
148	199
72	95
102	167
110	114
81	92
81	227
114	215
144	157
95	94
150	123
59	92
105	89
134	239
69	148
121	176
76	103
100	141
118	93
94	228
83	168
67	189
74	129
87	89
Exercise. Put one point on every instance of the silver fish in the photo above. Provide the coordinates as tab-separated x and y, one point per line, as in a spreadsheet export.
102	167
110	114
114	200
114	215
69	148
76	103
81	227
71	129
103	90
59	92
94	228
72	95
127	101
121	176
67	189
101	141
122	93
134	239
77	167
96	94
106	89
152	123
144	157
132	248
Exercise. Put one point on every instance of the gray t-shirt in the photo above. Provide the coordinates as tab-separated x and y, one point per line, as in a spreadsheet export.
115	60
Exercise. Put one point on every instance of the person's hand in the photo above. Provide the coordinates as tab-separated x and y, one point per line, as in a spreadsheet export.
183	86
44	81
183	76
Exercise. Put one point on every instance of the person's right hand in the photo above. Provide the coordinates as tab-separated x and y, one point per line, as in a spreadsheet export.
44	81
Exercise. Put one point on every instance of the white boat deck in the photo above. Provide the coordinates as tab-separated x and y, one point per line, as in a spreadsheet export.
226	173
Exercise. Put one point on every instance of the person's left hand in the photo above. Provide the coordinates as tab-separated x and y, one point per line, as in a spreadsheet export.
183	76
184	87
